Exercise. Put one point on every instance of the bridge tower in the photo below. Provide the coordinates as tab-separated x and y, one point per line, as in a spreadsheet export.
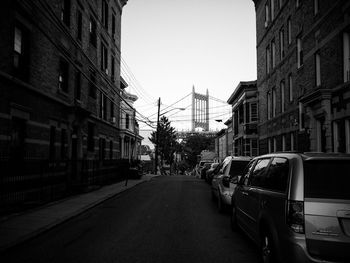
200	110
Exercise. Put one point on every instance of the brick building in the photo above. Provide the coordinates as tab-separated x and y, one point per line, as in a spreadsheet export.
60	79
303	75
60	97
244	101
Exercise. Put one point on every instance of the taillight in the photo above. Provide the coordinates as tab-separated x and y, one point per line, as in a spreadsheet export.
295	216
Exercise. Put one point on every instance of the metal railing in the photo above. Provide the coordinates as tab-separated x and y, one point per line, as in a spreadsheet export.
28	183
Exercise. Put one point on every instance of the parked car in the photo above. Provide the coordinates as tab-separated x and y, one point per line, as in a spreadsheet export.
296	207
200	166
205	169
224	182
214	168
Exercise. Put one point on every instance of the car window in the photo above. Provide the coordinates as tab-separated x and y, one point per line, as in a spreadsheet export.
257	177
246	172
327	179
237	168
277	176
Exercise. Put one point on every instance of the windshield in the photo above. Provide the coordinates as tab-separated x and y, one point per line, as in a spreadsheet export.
327	179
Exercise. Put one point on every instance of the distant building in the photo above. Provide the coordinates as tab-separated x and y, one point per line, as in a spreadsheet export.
221	145
244	101
303	65
130	140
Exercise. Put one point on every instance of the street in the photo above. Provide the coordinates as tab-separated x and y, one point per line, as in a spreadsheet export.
168	219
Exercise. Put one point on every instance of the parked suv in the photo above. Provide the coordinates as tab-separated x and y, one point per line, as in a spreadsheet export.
296	207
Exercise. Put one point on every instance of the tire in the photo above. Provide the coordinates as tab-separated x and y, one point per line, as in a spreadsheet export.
267	250
234	225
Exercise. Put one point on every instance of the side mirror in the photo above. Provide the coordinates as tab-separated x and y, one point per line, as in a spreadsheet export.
235	180
226	181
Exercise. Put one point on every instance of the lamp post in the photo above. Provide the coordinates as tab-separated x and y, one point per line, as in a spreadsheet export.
157	134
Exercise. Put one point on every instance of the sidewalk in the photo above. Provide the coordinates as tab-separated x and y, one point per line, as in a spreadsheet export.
19	228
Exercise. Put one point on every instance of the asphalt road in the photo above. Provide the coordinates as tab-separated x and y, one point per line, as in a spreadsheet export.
169	219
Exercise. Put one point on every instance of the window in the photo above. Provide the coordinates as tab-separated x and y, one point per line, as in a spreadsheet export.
253	112
104	58
316	6
92	31
297	3
268	60
113	26
272	3
103	106
52	147
301	117
112	109
292	141
63	144
281	44
317	69
92	83
63	76
268	105
102	148
282	96
127	120
257	177
18	136
277	176
346	56
77	90
65	12
274	103
289	29
112	68
91	137
241	113
269	145
267	14
327	174
105	14
280	3
274	144
21	52
79	25
246	172
299	52
290	84
283	142
273	53
111	149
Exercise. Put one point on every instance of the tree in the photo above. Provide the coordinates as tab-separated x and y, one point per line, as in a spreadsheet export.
195	144
167	140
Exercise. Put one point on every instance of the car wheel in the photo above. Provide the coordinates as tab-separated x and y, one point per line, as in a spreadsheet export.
234	225
267	248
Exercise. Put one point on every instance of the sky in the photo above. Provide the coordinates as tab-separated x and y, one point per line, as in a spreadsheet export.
169	46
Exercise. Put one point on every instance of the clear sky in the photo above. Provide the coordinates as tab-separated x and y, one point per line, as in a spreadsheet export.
171	45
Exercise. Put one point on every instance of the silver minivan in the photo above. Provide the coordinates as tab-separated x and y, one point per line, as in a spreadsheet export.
296	206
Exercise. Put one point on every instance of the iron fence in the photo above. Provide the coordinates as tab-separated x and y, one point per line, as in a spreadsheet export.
28	183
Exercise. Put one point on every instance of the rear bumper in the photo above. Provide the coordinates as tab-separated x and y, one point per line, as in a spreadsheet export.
295	250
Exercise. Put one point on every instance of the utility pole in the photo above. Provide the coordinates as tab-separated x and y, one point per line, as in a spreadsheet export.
157	140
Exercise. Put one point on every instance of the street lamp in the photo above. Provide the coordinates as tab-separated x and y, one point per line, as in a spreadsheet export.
157	134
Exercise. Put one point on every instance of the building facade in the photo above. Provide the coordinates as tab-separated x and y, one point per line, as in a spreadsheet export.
60	79
244	101
303	52
130	139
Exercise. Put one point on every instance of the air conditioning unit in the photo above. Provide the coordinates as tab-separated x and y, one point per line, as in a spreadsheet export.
106	71
113	120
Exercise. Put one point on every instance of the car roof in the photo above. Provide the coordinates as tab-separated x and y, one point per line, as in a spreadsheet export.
307	156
